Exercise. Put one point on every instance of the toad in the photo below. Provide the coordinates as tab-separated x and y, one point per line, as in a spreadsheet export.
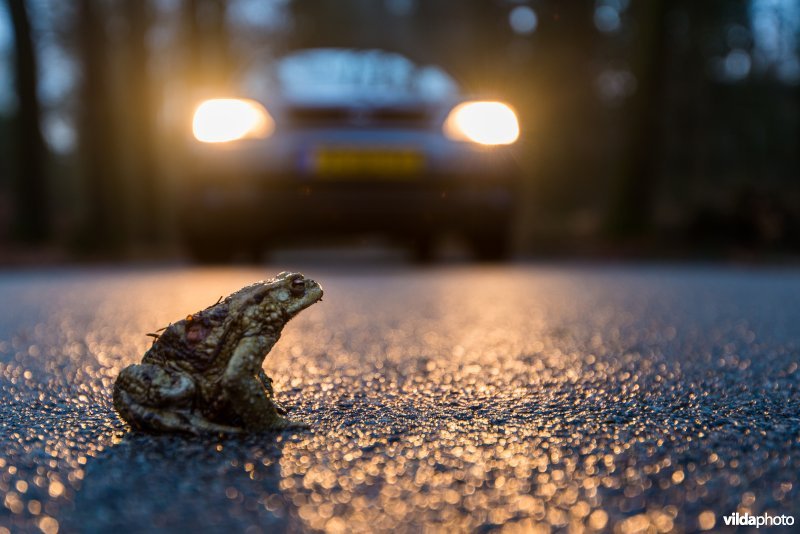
203	373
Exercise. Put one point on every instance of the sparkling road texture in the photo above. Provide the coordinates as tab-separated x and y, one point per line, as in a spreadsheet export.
521	398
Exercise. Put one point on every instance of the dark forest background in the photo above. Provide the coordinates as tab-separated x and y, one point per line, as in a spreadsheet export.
649	126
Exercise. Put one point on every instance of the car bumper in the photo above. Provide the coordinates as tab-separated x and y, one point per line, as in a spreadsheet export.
285	208
273	188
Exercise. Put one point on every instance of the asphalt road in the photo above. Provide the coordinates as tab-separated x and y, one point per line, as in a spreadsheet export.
454	398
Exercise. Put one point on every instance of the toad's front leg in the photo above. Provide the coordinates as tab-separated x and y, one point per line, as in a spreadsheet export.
267	382
247	395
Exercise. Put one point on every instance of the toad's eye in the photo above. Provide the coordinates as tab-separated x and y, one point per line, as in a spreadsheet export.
298	286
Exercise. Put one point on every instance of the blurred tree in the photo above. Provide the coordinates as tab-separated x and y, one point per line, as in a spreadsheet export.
566	108
192	44
104	220
32	213
140	111
640	159
209	62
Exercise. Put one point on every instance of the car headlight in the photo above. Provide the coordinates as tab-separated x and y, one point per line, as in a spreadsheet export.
228	119
486	123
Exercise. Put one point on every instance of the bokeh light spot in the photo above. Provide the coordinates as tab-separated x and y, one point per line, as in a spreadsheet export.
523	20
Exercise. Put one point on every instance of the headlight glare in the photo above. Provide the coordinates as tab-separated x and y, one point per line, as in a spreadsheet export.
228	119
486	123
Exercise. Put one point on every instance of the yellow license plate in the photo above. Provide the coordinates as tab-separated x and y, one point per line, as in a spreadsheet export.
389	162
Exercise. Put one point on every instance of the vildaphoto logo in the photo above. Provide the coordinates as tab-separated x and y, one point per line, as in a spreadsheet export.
746	520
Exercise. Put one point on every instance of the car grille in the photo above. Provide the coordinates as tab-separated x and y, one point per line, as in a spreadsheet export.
359	117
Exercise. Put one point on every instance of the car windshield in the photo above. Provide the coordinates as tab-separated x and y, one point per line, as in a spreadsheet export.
330	75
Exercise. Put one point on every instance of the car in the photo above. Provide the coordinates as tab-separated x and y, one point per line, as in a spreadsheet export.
340	141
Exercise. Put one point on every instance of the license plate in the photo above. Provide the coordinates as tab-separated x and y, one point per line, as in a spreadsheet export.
376	162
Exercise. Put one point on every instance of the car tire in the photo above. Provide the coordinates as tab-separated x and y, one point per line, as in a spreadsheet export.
492	245
423	249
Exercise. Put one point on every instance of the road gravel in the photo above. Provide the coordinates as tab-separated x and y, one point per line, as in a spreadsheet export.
519	398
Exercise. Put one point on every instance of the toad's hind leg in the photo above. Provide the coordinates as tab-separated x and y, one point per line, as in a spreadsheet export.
149	398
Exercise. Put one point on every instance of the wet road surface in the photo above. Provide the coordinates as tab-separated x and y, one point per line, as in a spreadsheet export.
522	398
